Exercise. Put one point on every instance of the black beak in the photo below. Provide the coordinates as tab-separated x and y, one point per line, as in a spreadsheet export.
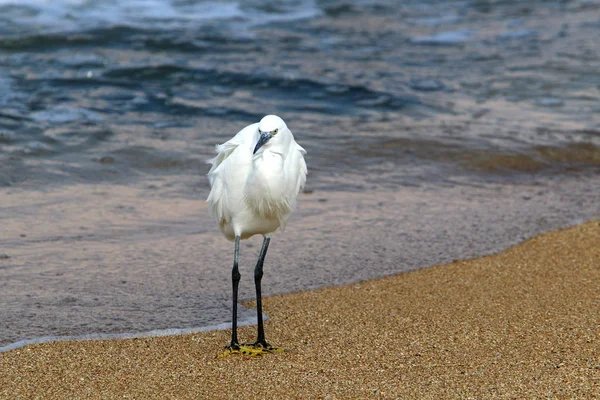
264	138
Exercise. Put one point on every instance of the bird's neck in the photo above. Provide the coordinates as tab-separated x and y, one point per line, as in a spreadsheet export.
266	185
267	170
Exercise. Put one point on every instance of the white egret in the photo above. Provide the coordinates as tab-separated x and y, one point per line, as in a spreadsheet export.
255	180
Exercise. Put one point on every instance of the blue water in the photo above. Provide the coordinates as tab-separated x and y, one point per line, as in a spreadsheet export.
435	130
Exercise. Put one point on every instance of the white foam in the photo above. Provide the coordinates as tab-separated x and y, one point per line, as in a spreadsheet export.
69	15
64	114
445	38
128	335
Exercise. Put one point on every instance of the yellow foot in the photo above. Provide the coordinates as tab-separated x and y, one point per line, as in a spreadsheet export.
265	347
241	349
250	350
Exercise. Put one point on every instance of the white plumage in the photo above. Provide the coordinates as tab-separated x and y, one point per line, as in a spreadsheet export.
255	180
255	193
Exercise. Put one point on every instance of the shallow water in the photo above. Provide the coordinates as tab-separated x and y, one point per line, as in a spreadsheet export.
434	131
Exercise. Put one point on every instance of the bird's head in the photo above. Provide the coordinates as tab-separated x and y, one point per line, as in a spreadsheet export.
268	128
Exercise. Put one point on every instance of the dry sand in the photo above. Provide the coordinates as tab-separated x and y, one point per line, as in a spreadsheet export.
521	324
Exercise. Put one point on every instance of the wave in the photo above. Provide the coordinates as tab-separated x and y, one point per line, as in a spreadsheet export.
128	335
299	93
77	15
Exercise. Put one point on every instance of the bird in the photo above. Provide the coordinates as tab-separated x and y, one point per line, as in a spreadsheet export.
255	180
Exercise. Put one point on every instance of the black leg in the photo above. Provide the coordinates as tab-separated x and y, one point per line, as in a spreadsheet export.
258	273
235	279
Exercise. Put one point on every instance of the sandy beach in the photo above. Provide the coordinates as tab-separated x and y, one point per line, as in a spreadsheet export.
520	324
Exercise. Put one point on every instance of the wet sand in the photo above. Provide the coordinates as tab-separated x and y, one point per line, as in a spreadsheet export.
88	259
520	324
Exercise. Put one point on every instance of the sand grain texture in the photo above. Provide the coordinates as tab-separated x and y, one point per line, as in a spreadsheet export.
521	324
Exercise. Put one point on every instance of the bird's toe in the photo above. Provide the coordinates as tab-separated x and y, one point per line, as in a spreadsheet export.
245	350
265	347
250	349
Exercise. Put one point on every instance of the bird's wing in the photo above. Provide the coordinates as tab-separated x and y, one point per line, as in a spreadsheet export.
296	168
218	195
301	181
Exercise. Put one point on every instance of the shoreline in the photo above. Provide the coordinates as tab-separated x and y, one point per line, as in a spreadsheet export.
125	335
520	323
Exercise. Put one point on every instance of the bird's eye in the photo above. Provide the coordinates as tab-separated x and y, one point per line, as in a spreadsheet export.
275	132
